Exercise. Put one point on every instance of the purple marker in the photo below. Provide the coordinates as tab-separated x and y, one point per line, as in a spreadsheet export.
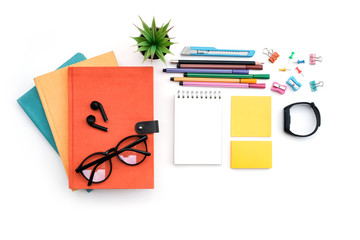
226	85
200	70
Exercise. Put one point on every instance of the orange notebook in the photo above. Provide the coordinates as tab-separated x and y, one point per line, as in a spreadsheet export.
53	92
126	94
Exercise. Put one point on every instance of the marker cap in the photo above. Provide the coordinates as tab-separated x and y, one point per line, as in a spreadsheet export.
255	67
257	85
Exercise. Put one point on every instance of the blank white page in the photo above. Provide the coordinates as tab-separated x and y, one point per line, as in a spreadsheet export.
198	127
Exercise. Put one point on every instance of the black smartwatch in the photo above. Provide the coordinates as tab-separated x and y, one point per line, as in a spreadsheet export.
287	118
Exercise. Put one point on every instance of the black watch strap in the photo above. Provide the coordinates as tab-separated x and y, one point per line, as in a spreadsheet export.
287	118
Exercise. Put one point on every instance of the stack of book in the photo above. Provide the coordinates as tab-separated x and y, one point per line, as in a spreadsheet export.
59	105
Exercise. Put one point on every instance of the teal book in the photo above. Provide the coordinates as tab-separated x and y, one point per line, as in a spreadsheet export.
31	104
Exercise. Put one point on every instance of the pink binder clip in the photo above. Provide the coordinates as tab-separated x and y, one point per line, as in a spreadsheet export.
314	59
276	87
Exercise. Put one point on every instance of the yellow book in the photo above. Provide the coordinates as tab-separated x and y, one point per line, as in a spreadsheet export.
53	92
251	116
251	154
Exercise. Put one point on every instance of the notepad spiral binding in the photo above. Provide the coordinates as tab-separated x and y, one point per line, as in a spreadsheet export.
199	94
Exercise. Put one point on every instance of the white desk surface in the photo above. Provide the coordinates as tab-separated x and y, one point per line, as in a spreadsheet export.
312	191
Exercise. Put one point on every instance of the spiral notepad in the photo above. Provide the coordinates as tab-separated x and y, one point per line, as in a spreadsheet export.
198	127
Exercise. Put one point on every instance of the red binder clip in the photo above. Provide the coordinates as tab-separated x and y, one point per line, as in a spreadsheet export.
273	56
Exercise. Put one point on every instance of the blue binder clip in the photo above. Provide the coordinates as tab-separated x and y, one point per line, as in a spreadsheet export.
314	85
293	83
211	51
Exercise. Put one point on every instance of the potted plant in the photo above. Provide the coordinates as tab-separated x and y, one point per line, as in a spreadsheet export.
153	42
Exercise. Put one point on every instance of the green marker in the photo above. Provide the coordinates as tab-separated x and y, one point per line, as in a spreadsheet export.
224	75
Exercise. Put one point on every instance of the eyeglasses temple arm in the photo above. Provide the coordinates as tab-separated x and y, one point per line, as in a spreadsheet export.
138	151
90	181
142	139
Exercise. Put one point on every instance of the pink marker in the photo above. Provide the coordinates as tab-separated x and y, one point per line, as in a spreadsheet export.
227	85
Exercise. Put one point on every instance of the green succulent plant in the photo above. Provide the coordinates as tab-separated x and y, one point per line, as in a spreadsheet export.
153	41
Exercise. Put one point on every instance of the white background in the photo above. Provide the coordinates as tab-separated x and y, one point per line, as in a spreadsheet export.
312	191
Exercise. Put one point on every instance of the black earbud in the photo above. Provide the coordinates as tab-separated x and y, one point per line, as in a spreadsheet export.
95	106
91	121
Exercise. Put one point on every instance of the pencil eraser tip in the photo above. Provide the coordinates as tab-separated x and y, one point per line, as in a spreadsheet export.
172	79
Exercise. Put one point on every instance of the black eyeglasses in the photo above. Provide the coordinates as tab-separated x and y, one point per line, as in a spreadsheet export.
97	167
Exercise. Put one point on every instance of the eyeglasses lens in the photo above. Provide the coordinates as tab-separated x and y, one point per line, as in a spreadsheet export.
131	157
102	171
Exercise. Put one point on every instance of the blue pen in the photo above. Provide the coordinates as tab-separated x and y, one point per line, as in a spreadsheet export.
211	51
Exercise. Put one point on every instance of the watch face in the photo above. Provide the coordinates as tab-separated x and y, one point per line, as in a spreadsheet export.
303	119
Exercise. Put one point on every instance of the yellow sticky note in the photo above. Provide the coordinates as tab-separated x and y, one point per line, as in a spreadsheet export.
251	154
251	116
